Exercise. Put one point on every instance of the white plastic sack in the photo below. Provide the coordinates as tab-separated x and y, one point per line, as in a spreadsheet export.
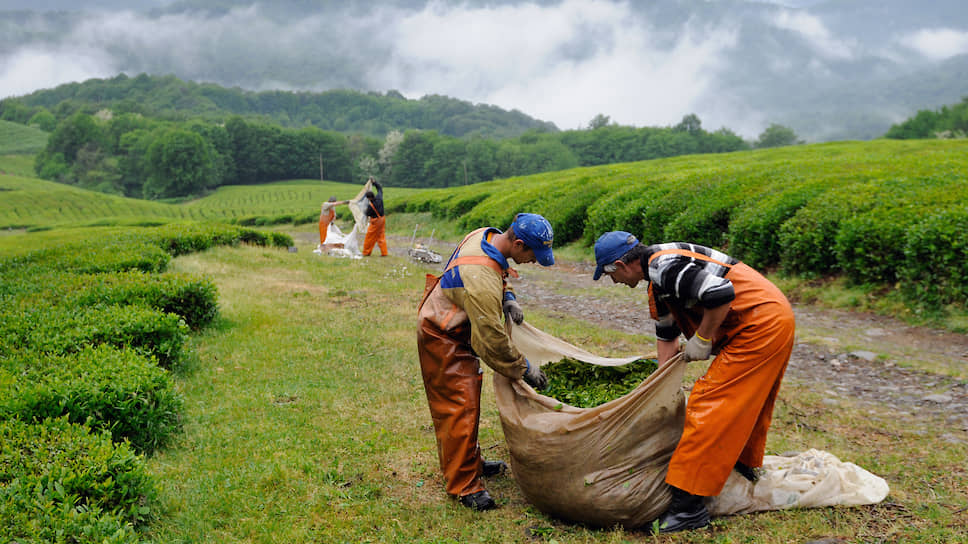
351	240
606	465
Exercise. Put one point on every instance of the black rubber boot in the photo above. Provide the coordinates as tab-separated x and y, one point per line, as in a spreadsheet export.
686	511
479	501
493	468
747	472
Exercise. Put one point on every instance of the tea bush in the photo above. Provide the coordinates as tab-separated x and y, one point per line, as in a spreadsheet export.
61	483
61	330
935	270
106	388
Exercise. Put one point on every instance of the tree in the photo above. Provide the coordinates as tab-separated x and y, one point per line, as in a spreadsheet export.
690	124
179	164
385	159
776	136
599	121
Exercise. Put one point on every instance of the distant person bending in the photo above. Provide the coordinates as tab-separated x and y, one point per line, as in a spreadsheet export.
376	231
326	215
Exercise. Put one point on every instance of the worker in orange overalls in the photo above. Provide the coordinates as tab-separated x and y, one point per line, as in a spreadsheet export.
327	213
726	309
460	324
376	231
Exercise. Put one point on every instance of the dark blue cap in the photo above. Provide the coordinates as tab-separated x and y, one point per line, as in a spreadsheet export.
610	247
536	233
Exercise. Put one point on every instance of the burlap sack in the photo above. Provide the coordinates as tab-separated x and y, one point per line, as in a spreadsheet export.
606	466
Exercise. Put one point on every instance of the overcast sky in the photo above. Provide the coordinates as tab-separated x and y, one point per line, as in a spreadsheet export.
525	56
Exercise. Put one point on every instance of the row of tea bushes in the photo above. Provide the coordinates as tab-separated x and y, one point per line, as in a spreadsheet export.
863	210
61	483
89	326
103	387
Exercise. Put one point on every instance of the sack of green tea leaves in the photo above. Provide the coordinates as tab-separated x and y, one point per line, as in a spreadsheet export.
605	465
600	466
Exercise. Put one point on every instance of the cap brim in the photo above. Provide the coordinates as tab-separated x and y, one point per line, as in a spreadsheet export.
599	270
544	256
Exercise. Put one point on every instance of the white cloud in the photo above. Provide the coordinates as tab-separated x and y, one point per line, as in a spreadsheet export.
938	43
527	57
813	30
37	67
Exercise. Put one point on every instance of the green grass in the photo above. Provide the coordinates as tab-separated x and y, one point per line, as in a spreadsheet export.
17	165
17	139
306	421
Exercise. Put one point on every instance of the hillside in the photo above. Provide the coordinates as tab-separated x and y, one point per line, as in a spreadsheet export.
368	113
16	138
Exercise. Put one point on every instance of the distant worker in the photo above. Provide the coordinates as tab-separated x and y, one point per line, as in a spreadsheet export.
326	215
727	310
376	231
460	324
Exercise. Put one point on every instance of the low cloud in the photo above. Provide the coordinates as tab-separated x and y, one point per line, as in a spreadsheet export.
565	63
937	44
39	67
816	34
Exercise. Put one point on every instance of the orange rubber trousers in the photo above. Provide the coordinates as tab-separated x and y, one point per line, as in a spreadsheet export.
376	233
730	407
452	379
324	227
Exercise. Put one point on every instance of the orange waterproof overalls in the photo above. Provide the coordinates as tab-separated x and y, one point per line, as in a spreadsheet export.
376	233
452	380
324	220
730	407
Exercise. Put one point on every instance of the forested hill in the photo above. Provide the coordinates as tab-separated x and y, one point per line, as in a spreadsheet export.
369	113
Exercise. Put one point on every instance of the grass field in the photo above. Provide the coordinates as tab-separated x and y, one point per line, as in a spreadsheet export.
16	138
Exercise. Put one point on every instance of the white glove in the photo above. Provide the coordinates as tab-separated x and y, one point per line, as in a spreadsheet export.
513	311
534	377
697	349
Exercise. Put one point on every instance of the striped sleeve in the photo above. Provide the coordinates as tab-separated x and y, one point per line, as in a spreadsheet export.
692	280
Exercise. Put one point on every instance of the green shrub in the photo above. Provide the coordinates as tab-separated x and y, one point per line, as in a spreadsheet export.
60	483
280	239
753	227
62	330
870	247
807	239
94	256
935	270
107	389
193	298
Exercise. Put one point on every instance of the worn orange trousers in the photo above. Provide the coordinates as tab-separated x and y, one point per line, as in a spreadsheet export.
730	407
376	233
452	380
323	229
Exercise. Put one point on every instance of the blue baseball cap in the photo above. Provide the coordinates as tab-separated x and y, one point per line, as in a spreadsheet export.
536	233
610	247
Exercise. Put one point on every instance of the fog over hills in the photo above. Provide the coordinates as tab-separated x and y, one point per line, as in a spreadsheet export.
837	69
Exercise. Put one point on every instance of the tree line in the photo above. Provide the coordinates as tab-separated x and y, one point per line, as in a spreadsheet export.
132	155
945	122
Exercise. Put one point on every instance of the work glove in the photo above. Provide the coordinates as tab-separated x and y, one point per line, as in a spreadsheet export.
697	349
513	311
534	377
